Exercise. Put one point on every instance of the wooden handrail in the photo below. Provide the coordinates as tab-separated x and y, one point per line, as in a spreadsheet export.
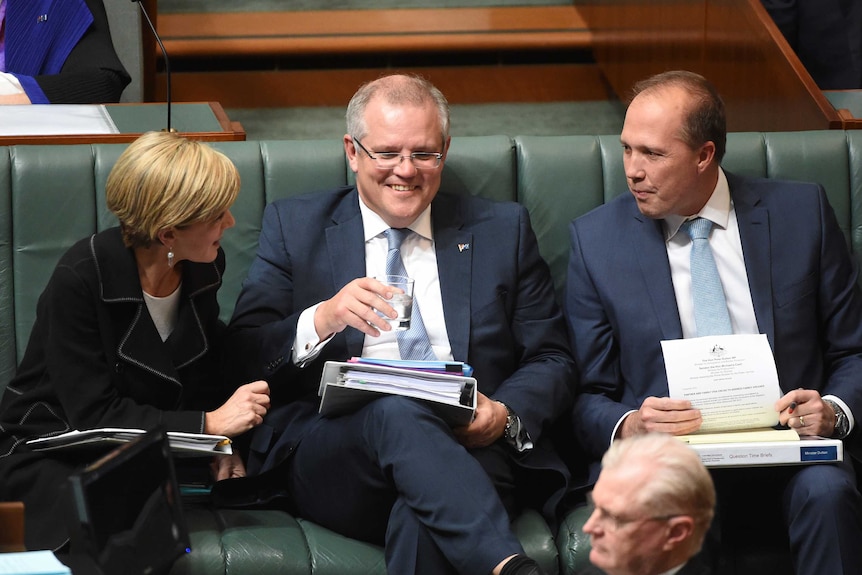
328	32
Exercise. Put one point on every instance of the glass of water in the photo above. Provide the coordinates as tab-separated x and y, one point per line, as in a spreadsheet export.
402	301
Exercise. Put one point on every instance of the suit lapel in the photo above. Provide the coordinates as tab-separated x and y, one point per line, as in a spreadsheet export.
346	249
754	235
651	254
453	247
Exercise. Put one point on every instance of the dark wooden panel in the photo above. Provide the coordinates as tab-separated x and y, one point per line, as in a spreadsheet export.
290	33
734	43
11	526
461	84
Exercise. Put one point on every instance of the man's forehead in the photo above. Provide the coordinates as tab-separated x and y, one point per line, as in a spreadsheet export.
623	481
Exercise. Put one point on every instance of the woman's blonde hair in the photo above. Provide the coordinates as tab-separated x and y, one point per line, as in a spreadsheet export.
163	180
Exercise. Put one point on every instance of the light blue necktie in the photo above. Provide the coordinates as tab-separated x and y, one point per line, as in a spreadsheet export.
413	343
710	305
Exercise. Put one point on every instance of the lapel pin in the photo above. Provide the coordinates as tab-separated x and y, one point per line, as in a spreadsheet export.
42	18
462	247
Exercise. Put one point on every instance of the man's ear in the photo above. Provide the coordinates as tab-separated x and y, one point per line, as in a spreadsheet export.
680	529
706	156
351	152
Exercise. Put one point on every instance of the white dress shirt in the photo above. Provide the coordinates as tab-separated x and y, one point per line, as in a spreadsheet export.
420	262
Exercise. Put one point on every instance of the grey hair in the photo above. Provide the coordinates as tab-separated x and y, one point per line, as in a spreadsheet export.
679	483
398	89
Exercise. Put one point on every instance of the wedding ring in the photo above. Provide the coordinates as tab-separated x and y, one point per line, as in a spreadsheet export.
801	421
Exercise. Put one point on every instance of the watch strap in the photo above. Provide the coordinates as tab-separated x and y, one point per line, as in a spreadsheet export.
842	424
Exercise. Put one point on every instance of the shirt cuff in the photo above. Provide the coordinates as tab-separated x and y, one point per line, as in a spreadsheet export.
9	85
307	345
619	424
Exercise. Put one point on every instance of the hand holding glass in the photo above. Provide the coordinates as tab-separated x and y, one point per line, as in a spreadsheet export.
402	301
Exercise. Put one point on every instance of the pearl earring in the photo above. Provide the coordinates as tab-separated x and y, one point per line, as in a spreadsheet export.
170	257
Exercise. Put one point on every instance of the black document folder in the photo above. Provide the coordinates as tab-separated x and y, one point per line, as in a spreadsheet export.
346	386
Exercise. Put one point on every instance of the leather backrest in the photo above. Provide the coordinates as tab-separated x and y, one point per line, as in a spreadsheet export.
51	196
563	177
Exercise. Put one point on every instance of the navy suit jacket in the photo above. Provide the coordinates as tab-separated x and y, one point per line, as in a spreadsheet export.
620	301
498	299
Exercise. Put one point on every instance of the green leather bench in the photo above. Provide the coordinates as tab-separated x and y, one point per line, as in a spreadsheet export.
51	196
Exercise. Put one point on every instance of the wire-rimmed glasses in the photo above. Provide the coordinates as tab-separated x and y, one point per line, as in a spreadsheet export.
391	160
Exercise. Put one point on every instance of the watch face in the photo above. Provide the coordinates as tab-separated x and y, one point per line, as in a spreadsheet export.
841	422
511	427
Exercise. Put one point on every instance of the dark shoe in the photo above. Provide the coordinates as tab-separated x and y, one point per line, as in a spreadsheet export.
521	565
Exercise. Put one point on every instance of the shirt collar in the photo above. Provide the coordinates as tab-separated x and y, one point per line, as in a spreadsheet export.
675	570
716	210
374	225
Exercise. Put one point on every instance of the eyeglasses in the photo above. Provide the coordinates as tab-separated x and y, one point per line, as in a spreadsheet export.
391	160
611	522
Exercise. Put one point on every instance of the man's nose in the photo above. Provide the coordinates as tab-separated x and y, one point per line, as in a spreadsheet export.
405	168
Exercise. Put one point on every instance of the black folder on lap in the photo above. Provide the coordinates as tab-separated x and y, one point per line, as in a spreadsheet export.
346	386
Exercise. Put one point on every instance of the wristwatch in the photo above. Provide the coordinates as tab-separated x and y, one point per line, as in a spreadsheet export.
512	426
842	424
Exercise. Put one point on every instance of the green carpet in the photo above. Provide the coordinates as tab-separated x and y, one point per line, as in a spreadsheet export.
540	119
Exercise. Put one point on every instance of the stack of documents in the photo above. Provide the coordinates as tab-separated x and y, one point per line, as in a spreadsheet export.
733	381
761	448
181	443
346	386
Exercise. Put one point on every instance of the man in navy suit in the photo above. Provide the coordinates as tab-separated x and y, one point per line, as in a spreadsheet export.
393	472
786	272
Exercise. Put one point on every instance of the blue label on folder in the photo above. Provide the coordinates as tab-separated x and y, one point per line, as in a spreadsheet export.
825	453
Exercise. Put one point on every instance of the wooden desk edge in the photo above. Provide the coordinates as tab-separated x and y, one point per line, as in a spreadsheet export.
230	132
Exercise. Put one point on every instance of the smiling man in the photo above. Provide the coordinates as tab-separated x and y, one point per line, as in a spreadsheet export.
781	267
393	473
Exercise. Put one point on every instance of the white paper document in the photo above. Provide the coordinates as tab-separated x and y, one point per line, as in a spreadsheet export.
55	120
32	563
431	388
731	379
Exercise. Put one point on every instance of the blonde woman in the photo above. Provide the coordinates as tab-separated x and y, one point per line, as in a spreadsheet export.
127	330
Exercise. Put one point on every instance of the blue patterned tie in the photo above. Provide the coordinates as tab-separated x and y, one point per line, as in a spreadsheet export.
413	343
710	305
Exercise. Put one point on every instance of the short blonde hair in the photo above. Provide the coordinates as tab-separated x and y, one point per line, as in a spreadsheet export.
679	483
163	180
